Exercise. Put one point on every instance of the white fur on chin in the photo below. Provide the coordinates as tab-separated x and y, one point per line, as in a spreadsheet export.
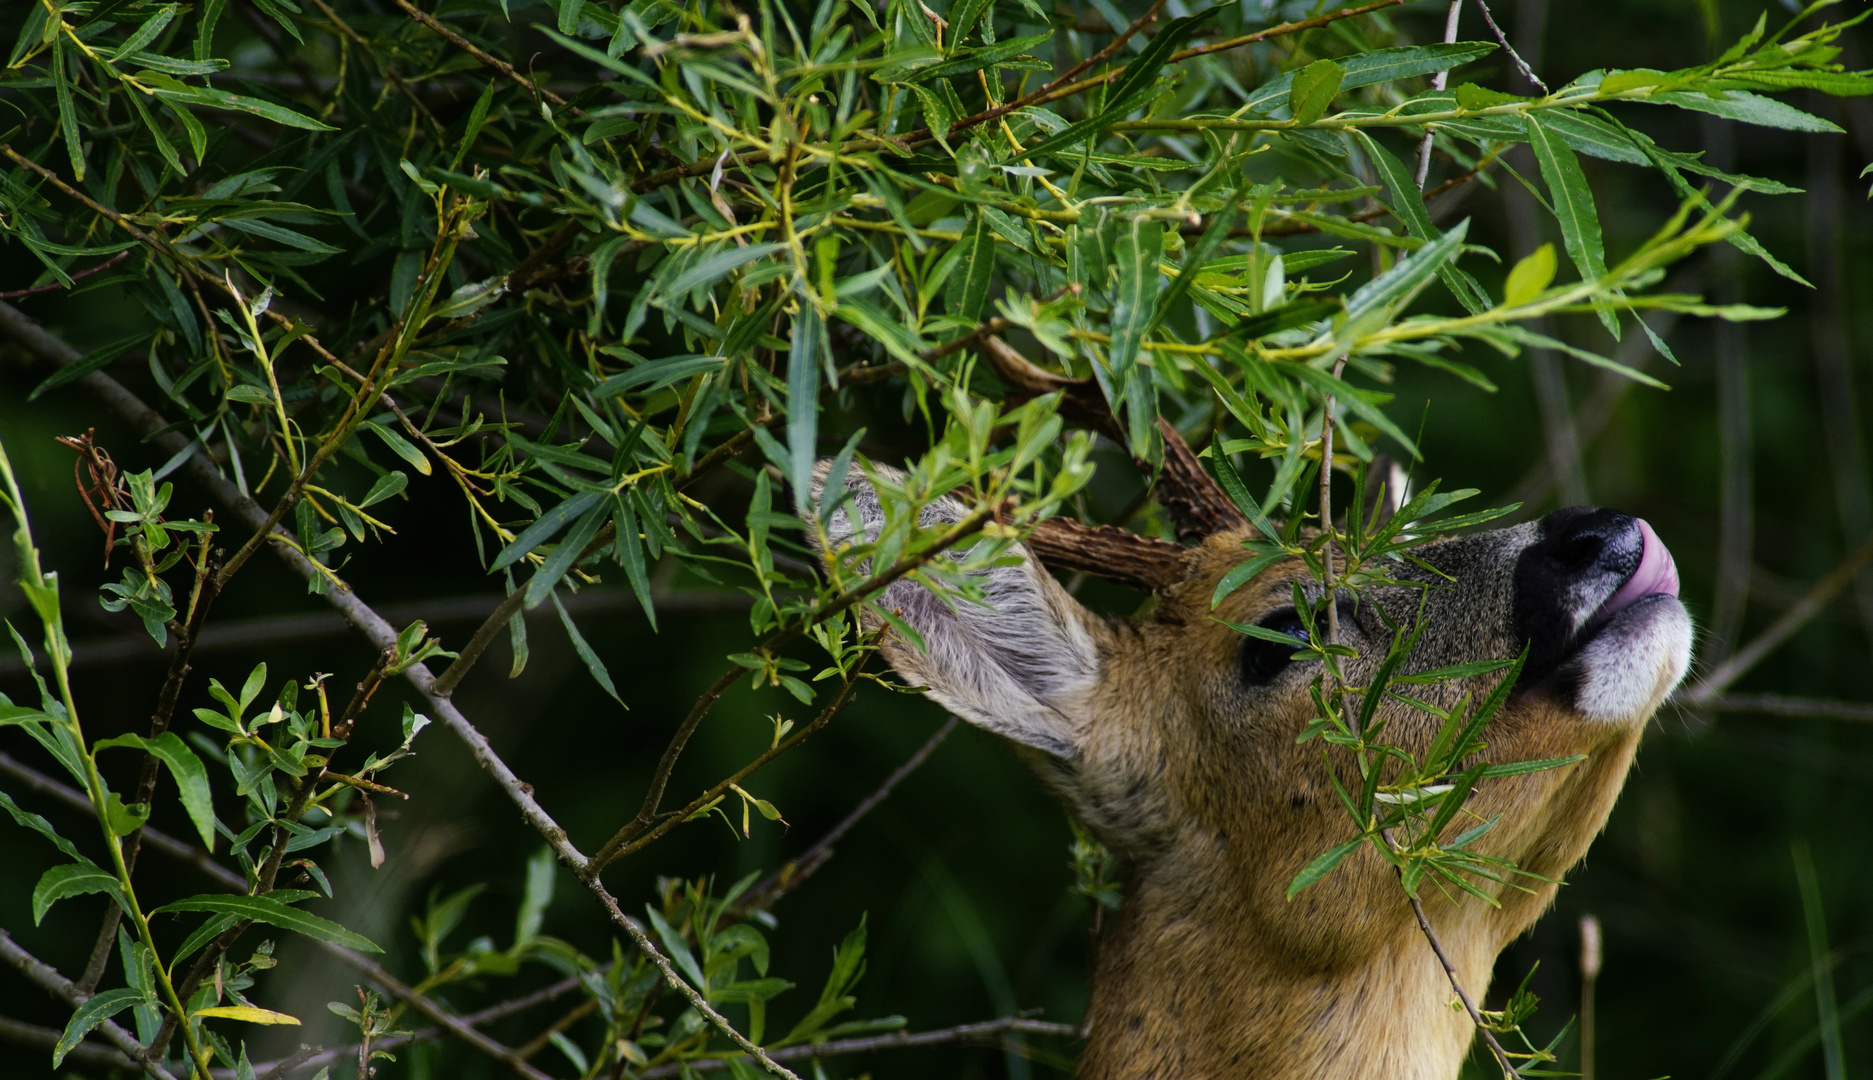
1632	665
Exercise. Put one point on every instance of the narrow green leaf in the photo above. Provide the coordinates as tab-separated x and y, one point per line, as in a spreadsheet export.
1529	277
264	909
1747	107
476	117
190	775
1322	865
1573	206
221	99
1195	257
1314	89
97	1009
654	375
71	879
95	360
600	674
1521	768
1140	246
68	113
630	552
387	486
976	249
541	585
41	826
146	33
1377	66
399	446
712	268
803	379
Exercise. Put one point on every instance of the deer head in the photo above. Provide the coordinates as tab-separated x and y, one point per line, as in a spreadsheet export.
1172	737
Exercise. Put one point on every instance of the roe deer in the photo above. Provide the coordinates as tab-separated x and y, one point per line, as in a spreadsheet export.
1173	738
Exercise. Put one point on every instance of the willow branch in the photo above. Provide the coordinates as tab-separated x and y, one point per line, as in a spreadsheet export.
47	978
1011	1025
702	802
1456	984
647	813
1053	91
795	871
383	636
1811	604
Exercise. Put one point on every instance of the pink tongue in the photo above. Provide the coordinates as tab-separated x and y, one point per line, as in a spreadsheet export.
1657	573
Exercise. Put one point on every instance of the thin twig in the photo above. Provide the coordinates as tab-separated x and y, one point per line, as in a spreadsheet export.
54	286
202	861
1438	82
796	870
47	978
1520	65
1810	605
146	422
483	56
1052	91
20	1033
647	813
1456	984
1326	509
701	802
1779	705
383	636
498	1011
1013	1025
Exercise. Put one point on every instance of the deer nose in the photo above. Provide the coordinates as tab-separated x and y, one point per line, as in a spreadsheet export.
1585	542
1587	565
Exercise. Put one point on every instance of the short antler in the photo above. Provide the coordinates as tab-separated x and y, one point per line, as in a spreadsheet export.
1108	552
1197	505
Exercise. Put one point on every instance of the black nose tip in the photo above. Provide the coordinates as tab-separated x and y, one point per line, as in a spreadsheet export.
1583	540
1583	556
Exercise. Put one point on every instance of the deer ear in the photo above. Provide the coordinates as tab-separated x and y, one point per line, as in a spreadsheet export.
1023	666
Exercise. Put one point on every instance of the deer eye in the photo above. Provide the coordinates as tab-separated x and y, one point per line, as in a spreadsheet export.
1263	660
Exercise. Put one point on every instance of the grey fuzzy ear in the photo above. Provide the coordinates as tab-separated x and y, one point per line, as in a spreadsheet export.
1023	666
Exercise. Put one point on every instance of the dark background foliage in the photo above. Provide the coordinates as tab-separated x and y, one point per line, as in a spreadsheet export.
963	872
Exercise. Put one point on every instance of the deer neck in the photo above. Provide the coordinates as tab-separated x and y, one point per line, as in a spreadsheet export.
1189	988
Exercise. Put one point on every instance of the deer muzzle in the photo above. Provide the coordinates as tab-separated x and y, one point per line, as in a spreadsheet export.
1596	598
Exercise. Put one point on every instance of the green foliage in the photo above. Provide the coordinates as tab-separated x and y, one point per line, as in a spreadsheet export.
625	307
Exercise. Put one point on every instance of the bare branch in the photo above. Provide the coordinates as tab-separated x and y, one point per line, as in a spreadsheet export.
1438	81
1456	984
55	286
1833	352
1778	705
1520	64
796	870
1010	1025
383	636
47	978
20	1033
1810	605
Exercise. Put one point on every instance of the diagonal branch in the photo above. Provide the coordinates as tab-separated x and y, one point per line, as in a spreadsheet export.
1810	605
460	1027
1007	1025
383	636
797	870
48	979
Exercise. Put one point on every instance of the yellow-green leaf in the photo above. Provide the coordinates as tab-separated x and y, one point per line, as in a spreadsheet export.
1533	274
248	1013
1314	89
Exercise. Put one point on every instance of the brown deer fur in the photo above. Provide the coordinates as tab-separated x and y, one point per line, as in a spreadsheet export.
1196	782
